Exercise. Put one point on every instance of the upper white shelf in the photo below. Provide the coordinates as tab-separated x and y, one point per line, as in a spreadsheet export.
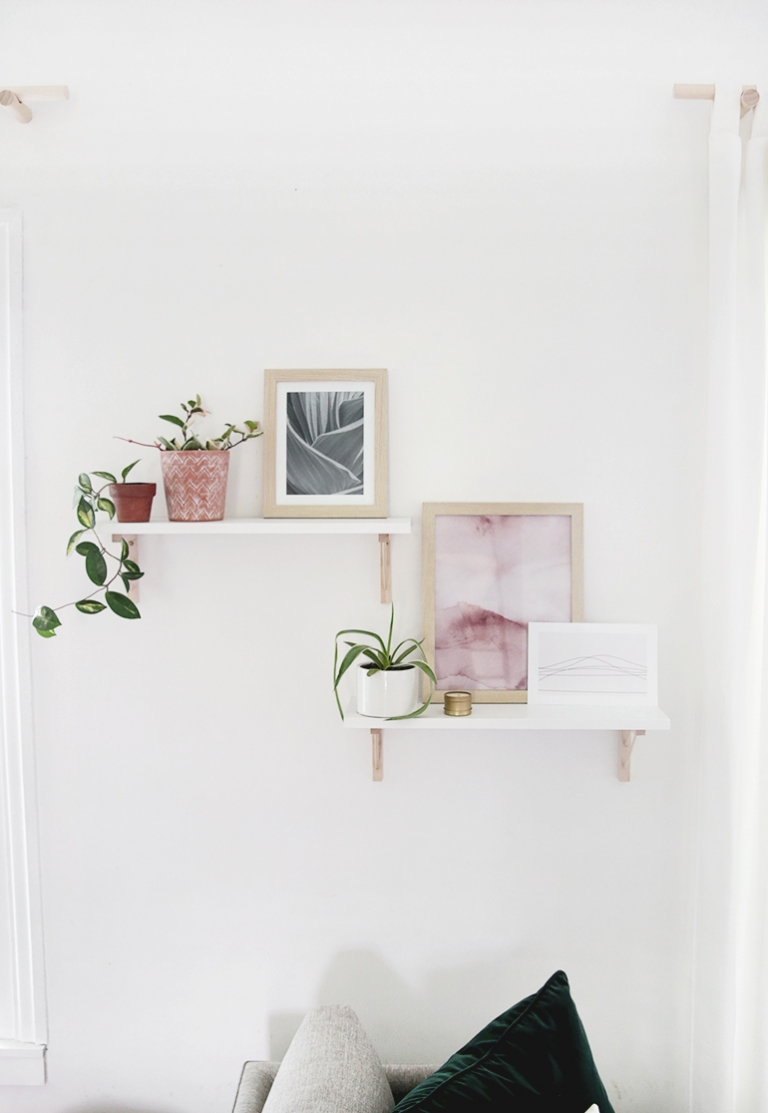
522	716
266	525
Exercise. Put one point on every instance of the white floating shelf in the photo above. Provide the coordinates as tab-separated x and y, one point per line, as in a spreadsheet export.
229	526
629	721
522	716
233	527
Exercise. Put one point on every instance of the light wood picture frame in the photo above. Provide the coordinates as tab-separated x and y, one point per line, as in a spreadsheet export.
489	569
325	444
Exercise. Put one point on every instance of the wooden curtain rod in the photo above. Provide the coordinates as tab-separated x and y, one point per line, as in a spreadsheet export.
749	94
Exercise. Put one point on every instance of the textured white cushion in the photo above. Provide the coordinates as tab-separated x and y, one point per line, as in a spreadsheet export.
330	1067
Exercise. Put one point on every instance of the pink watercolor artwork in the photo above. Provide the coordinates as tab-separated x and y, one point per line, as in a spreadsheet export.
493	575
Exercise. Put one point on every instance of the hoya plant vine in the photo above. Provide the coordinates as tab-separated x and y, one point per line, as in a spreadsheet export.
188	441
103	567
381	657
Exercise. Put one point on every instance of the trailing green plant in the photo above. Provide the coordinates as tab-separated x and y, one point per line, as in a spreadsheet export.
382	658
89	503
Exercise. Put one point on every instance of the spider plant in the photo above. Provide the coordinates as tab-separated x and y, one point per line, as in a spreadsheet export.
382	657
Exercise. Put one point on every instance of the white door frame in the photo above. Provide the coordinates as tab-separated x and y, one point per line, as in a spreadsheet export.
22	1057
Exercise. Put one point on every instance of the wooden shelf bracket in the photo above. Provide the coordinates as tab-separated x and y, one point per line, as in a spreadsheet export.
133	553
386	568
626	746
377	753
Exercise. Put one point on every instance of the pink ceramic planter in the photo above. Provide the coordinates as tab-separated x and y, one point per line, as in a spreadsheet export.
195	484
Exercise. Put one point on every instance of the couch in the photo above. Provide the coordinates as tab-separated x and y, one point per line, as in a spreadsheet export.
257	1077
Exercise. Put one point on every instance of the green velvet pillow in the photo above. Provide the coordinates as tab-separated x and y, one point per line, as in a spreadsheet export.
534	1058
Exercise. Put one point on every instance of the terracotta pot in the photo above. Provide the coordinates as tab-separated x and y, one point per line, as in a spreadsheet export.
195	484
389	693
133	501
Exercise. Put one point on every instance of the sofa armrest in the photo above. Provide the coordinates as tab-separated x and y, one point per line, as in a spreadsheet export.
255	1083
257	1077
402	1077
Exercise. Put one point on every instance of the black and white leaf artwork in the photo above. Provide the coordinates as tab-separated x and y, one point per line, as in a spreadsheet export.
324	442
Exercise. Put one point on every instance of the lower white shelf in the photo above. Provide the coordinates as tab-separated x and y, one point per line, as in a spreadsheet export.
522	716
629	721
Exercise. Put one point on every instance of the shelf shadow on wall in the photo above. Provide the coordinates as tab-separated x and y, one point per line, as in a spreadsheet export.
426	1024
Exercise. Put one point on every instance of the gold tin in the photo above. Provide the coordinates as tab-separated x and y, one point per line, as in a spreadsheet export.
458	703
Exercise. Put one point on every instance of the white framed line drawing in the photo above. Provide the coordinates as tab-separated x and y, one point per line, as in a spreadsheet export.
607	663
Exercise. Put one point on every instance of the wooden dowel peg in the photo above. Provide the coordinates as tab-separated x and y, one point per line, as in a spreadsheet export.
15	98
386	568
626	746
377	754
133	554
41	92
693	92
750	98
10	100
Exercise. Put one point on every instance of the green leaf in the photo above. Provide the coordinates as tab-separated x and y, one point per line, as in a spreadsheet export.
45	618
124	549
85	514
168	445
90	606
121	605
105	475
412	646
367	634
84	481
192	444
173	419
132	566
426	669
127	470
85	547
73	540
96	566
108	505
391	626
349	659
45	633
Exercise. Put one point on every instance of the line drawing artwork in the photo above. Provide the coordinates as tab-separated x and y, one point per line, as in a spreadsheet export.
595	672
325	442
593	662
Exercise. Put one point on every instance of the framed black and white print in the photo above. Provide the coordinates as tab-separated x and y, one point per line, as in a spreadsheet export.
325	444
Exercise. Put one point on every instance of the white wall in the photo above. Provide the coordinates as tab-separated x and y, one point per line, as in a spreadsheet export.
501	203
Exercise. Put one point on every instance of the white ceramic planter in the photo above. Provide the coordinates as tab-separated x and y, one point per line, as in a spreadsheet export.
389	693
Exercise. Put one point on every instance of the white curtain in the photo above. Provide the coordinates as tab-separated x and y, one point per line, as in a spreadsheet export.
729	1063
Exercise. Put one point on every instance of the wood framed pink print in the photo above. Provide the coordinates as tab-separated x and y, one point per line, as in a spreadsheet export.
489	570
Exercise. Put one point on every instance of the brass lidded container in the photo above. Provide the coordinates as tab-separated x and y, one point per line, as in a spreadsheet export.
458	703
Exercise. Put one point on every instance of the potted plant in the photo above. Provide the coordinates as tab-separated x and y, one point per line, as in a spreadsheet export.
90	502
194	470
133	501
387	680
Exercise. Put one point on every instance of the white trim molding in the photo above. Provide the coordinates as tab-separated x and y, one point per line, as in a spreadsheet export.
24	1034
